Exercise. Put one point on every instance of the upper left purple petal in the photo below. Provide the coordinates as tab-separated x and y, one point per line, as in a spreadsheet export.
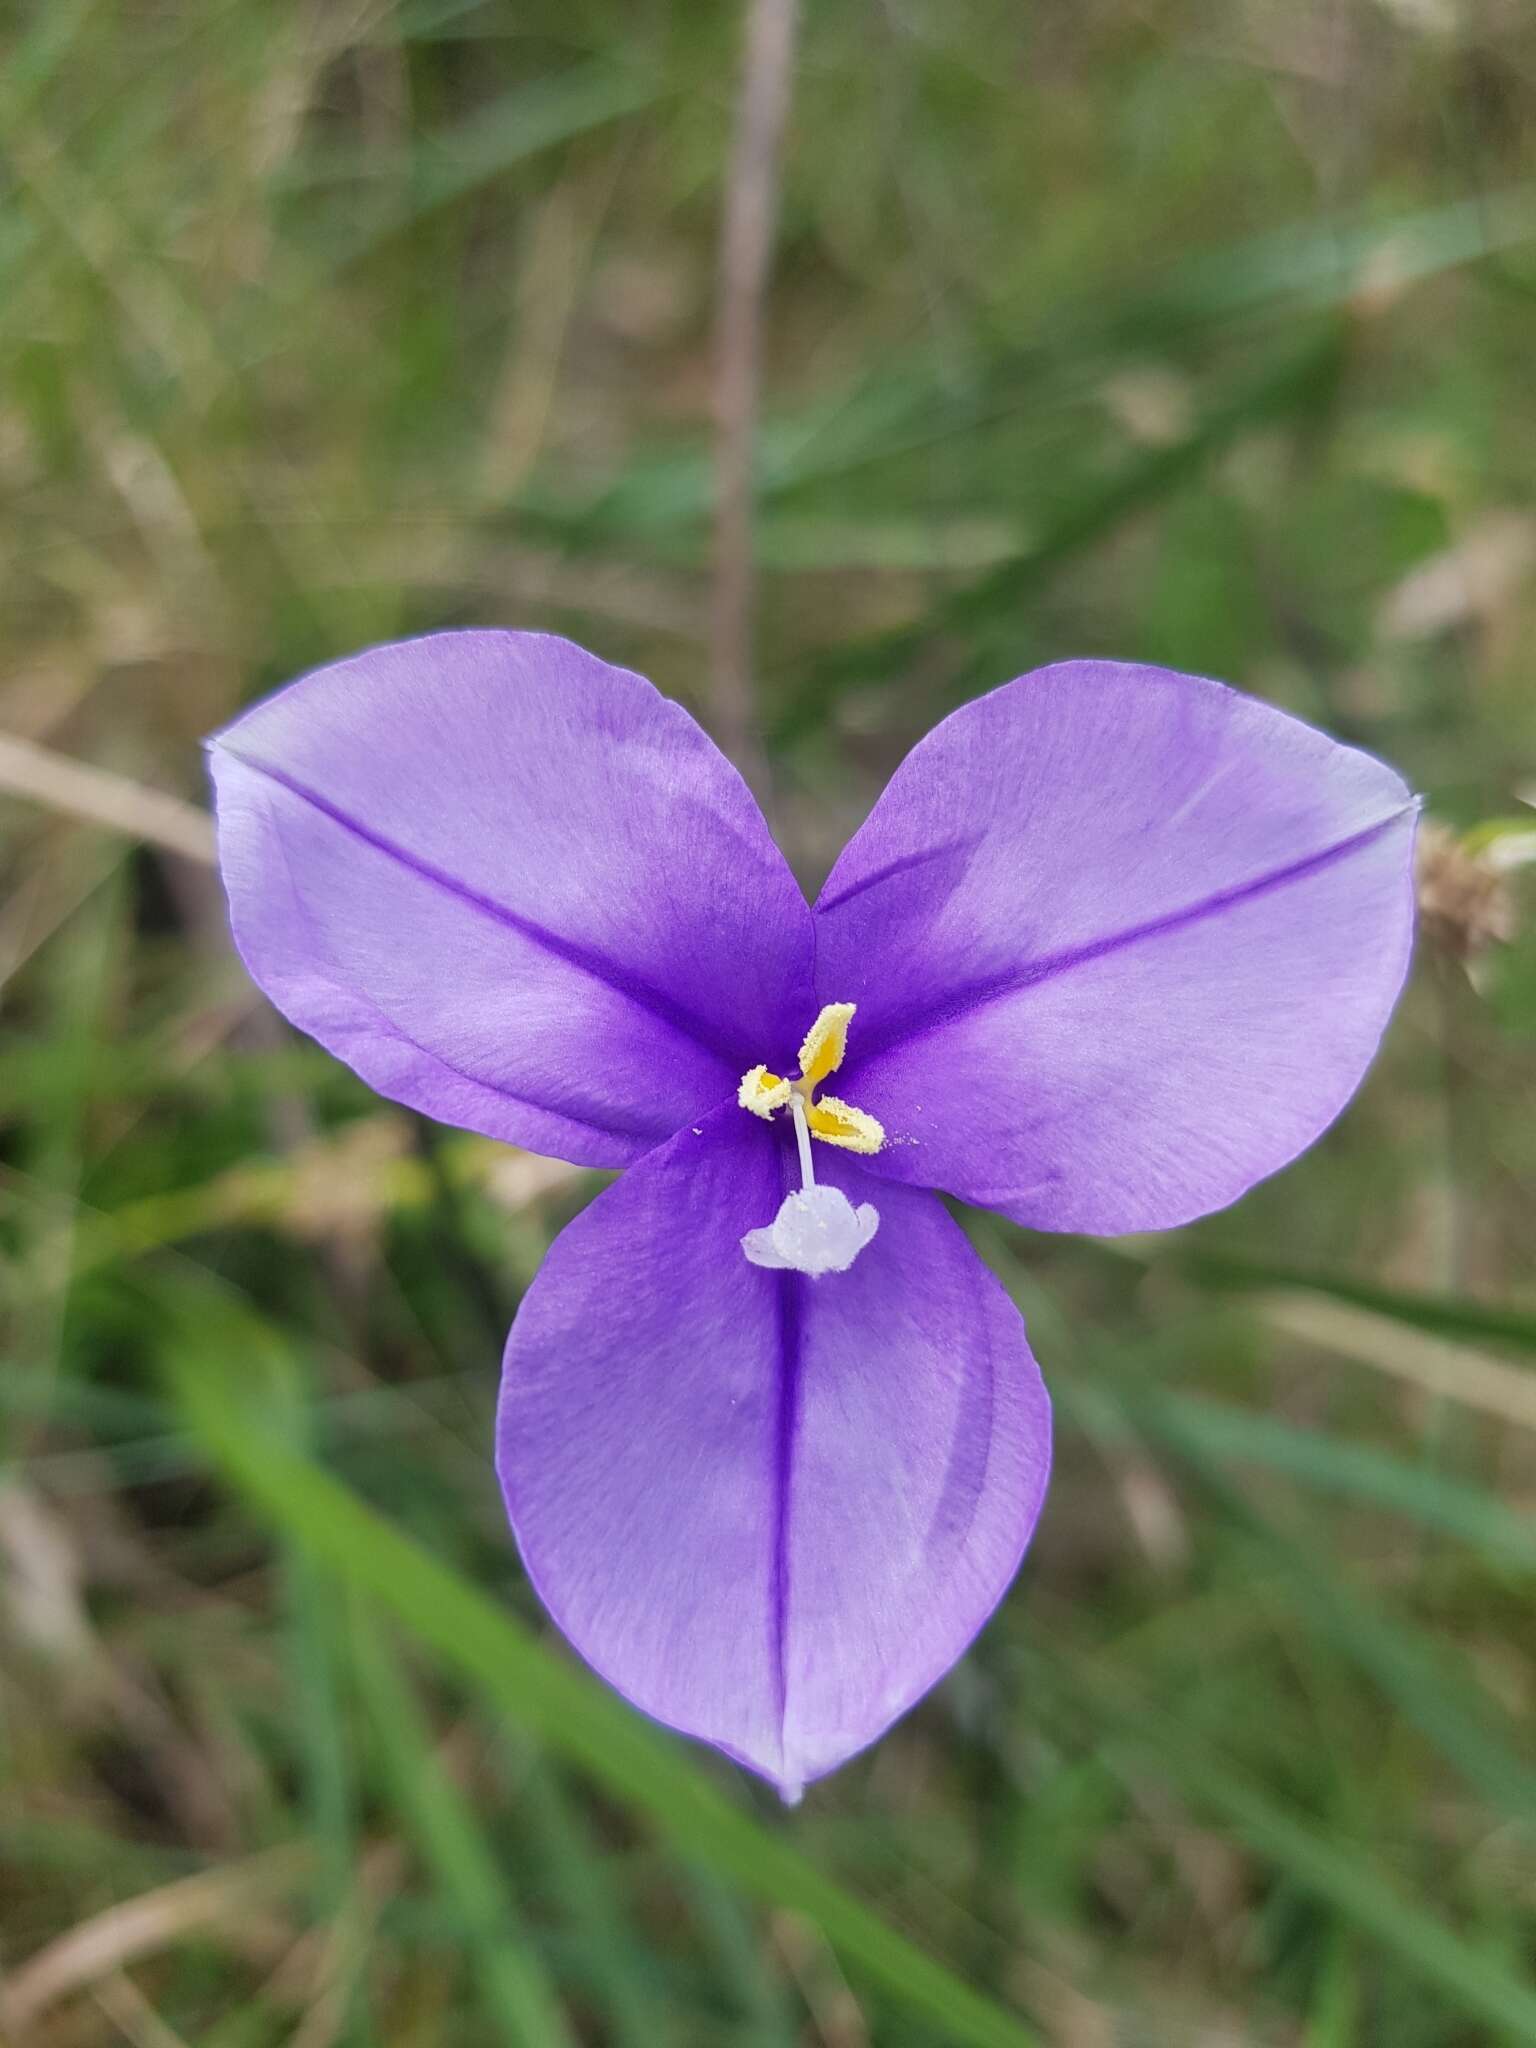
512	887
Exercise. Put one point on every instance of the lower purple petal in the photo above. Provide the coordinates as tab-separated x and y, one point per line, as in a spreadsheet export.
771	1511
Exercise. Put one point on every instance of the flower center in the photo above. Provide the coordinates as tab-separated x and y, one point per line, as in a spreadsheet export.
834	1122
817	1229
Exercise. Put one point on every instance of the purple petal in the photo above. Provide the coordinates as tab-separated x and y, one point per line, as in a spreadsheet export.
772	1511
514	888
1123	942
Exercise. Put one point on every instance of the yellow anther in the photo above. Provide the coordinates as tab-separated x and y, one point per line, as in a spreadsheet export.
839	1123
762	1092
834	1122
825	1044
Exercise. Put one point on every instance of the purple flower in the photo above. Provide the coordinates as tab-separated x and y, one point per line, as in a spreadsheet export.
1113	945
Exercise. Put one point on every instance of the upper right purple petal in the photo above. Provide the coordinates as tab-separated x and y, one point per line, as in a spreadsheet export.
1123	942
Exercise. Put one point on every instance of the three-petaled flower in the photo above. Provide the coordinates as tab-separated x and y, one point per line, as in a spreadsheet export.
1114	944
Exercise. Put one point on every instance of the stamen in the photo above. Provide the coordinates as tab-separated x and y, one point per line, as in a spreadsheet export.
762	1092
825	1044
821	1054
817	1230
839	1123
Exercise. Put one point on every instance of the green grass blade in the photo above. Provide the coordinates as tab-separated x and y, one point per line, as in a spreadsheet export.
766	2004
1295	387
448	167
619	1969
1474	1976
1359	1473
1313	266
1443	1314
514	1987
1449	1711
37	55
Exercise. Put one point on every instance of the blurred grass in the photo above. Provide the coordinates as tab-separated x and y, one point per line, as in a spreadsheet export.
1182	332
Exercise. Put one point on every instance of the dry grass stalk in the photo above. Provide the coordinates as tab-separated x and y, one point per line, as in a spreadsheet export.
746	251
99	797
100	1947
1454	1371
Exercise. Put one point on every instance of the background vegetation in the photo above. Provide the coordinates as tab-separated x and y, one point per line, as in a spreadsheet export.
1196	331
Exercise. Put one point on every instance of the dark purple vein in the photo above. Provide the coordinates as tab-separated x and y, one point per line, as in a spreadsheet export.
786	1423
977	995
903	864
585	959
396	1029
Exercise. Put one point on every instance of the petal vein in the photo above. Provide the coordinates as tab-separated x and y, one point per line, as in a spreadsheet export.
584	959
962	1001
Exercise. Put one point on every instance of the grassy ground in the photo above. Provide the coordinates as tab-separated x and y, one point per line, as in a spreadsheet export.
1185	330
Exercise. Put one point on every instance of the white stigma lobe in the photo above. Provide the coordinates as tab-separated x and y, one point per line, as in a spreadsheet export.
816	1231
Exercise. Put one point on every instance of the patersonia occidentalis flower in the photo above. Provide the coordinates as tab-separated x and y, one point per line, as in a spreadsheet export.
1114	944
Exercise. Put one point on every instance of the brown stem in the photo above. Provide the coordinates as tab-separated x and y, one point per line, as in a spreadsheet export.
746	251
